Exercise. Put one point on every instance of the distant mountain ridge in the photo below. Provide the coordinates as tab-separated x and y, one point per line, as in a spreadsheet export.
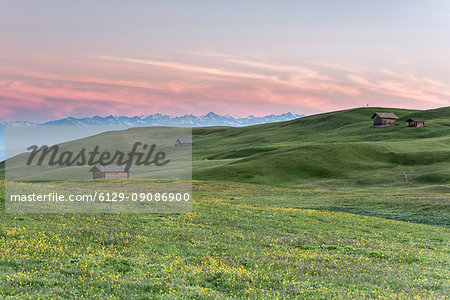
210	119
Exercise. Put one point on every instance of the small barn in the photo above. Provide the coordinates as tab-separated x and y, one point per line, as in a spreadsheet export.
416	122
183	142
110	171
384	119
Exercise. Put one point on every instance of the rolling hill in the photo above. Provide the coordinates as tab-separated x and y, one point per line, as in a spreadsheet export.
339	148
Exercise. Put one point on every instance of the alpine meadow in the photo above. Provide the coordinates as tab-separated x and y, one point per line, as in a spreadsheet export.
320	207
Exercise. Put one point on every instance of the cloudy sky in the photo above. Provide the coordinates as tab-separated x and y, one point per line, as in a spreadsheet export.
83	58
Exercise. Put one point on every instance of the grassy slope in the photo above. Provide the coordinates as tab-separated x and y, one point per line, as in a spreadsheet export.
255	241
240	241
338	151
426	205
339	145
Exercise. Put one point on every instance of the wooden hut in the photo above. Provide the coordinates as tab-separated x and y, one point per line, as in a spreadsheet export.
416	122
110	171
384	119
183	142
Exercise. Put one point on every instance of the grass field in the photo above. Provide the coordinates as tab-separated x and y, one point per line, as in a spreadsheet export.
316	208
243	241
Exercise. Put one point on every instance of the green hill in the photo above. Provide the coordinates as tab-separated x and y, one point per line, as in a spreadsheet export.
339	146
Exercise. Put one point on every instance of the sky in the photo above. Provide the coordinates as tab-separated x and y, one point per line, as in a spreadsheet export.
101	57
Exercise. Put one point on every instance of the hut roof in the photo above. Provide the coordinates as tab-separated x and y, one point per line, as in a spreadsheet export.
385	115
184	141
416	120
111	168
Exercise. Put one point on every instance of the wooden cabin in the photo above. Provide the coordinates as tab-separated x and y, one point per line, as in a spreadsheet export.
384	119
183	142
416	122
110	171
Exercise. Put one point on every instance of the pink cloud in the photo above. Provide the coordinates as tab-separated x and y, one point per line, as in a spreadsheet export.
106	85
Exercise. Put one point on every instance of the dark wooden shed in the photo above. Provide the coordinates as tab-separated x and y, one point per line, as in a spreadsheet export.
110	171
384	119
416	122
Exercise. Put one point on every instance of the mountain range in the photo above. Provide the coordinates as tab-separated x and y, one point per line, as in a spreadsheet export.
210	119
